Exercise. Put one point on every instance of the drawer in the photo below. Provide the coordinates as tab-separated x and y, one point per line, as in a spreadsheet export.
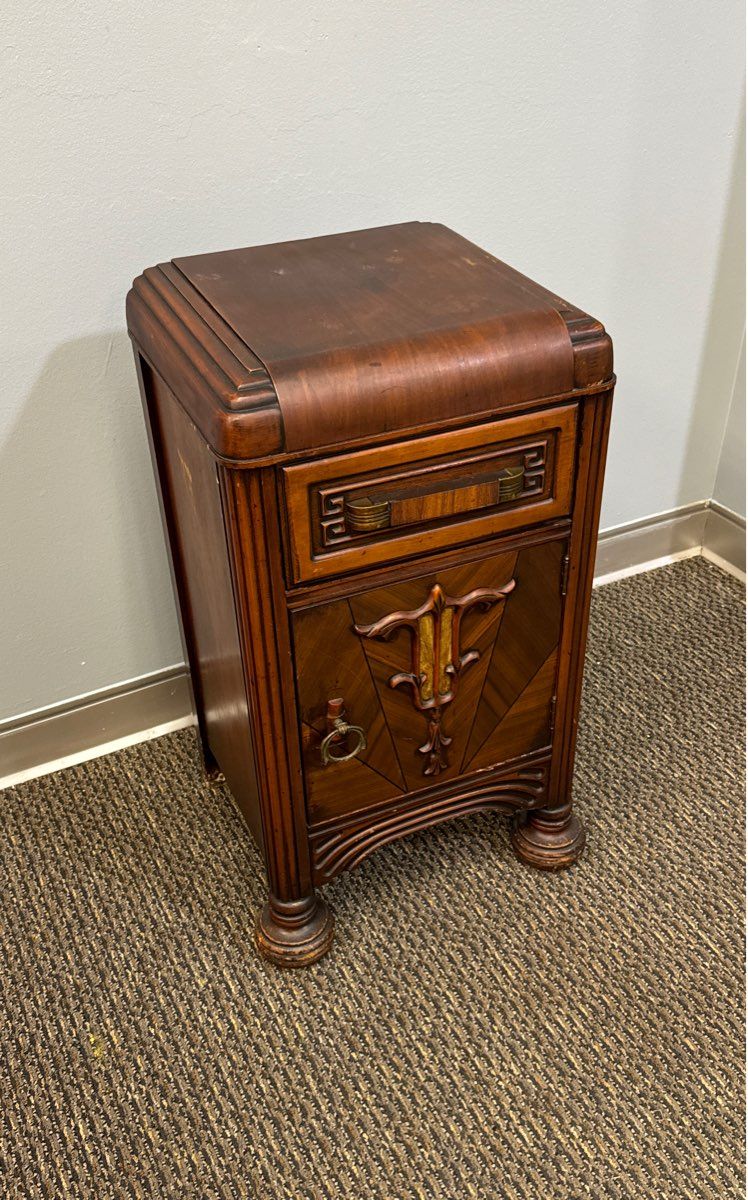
389	503
440	675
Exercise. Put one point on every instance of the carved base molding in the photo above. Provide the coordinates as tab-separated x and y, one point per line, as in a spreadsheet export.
340	845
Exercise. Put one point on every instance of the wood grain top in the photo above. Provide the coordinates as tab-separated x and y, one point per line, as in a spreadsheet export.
331	340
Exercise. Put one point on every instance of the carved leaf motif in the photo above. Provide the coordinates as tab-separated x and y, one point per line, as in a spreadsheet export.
437	661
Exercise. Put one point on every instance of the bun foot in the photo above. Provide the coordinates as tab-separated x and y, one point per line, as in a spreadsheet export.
294	933
541	840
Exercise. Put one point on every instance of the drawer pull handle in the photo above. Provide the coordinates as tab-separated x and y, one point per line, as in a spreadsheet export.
363	514
511	483
341	729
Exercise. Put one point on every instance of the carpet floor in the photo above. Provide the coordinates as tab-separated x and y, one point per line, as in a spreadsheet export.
478	1030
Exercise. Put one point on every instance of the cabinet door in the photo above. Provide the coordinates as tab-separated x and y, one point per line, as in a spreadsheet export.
446	673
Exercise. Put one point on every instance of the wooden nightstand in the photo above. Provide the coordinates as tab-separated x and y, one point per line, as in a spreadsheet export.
381	458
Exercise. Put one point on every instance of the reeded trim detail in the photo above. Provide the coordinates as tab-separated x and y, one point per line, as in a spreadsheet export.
342	844
218	380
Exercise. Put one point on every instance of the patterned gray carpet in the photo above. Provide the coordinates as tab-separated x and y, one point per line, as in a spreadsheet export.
510	1035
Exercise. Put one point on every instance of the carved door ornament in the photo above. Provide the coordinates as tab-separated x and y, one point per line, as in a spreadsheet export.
437	661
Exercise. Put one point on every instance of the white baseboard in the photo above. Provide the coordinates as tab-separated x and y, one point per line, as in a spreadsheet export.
724	539
651	564
90	726
705	528
648	541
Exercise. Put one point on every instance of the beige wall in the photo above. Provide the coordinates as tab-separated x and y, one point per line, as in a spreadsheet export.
729	488
716	402
592	146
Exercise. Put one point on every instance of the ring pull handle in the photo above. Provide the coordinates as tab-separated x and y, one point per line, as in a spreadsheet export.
338	733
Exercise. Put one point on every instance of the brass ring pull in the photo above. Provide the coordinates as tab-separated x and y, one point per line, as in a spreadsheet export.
340	729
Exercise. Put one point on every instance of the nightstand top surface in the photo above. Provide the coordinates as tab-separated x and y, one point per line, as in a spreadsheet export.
318	295
382	330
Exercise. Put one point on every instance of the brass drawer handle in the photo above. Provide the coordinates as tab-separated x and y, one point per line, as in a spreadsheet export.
511	483
341	729
364	515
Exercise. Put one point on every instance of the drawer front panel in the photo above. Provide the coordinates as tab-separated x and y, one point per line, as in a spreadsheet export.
385	504
444	674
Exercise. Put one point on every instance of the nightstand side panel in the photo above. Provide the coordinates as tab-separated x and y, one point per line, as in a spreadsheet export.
193	514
